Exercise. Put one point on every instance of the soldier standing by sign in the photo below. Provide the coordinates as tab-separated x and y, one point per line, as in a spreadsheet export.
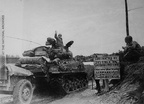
98	88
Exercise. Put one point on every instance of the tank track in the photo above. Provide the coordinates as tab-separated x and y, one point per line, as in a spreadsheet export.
71	83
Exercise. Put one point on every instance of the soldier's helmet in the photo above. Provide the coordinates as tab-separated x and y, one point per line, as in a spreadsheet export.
50	41
60	35
128	39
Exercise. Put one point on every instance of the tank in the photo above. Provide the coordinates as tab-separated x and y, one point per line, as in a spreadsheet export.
55	66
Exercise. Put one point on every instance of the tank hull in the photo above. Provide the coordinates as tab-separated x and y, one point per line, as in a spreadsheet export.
68	74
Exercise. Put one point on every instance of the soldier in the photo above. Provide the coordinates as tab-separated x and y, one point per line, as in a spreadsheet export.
59	39
65	52
51	41
57	49
132	53
132	50
98	87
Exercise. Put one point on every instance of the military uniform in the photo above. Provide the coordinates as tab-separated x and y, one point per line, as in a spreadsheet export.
58	50
132	51
59	40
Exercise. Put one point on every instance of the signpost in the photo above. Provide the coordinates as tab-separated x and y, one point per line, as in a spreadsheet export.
106	67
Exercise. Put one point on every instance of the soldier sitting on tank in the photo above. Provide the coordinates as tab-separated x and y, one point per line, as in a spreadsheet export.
59	40
65	53
59	52
132	50
54	48
52	42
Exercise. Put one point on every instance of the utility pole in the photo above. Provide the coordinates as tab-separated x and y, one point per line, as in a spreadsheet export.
127	22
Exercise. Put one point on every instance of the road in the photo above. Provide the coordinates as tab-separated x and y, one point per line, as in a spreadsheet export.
86	96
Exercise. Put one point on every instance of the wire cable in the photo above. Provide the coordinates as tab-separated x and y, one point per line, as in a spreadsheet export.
23	39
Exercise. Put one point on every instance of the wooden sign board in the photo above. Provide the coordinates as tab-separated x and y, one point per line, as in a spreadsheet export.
107	67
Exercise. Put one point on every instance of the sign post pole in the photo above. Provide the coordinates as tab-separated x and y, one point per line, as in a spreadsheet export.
106	85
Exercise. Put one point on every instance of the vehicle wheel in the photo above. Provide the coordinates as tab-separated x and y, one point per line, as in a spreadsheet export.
23	92
66	87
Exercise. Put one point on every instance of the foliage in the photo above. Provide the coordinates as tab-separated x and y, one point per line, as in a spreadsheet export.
12	59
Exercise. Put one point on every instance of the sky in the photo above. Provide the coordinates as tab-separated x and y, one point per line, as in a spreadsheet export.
95	26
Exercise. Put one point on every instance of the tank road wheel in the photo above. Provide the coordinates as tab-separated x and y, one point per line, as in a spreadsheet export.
66	87
71	86
23	92
75	85
79	84
86	83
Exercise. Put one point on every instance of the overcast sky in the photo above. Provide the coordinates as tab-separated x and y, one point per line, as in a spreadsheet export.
95	26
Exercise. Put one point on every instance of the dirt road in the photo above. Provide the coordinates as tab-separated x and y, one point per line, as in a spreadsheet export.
83	97
87	96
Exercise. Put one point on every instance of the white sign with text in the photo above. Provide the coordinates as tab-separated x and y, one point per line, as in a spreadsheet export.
107	67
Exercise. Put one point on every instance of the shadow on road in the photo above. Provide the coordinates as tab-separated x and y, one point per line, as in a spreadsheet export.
47	94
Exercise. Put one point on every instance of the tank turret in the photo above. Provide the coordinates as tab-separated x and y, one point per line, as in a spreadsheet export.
51	50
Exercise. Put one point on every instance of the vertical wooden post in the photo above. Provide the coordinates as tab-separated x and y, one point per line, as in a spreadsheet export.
92	83
106	85
127	21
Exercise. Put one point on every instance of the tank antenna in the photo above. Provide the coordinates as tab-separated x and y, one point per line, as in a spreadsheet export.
23	40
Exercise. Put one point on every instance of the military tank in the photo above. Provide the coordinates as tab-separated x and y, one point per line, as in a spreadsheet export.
55	66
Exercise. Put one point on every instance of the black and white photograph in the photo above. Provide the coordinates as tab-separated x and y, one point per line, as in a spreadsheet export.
71	51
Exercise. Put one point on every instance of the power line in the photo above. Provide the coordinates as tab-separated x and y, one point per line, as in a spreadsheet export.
22	39
135	8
